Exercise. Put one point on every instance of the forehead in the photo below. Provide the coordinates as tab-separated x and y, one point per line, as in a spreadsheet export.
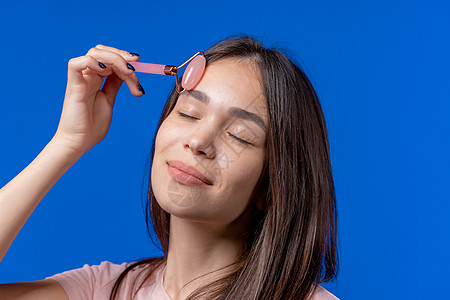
233	82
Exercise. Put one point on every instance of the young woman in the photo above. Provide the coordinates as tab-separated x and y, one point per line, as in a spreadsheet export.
241	194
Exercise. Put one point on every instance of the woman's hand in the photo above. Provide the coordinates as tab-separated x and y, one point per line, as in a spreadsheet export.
87	109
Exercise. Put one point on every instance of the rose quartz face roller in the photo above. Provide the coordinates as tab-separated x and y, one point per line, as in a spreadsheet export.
191	76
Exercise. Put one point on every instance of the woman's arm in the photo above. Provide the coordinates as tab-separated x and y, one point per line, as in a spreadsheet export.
18	199
85	121
47	289
20	196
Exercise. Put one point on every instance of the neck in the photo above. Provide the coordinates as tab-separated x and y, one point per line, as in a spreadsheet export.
200	253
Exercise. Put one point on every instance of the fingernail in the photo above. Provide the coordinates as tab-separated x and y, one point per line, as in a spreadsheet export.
141	89
102	65
133	54
130	67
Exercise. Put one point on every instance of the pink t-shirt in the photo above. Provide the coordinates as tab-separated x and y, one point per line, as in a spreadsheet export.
96	283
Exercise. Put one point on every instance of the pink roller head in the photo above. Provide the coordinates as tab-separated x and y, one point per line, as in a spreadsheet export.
194	72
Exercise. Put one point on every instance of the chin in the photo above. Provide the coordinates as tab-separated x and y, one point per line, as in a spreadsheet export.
178	200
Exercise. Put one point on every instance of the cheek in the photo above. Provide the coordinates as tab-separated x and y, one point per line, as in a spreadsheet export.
163	140
247	166
246	176
242	176
239	183
166	136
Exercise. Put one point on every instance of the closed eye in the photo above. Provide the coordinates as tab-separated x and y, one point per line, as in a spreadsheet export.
239	139
232	135
187	116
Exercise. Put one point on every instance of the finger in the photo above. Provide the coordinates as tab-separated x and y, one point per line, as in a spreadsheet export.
128	56
132	82
119	66
79	64
112	86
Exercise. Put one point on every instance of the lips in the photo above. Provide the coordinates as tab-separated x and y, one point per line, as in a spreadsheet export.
189	171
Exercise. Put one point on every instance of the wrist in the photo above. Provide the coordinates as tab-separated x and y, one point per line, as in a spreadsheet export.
65	148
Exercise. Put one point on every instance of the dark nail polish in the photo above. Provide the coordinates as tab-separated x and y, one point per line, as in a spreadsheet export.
133	54
141	89
102	65
130	67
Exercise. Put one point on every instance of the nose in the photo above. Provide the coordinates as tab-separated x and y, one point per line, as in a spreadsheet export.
201	142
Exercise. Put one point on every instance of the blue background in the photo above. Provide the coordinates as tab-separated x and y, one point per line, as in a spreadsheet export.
380	68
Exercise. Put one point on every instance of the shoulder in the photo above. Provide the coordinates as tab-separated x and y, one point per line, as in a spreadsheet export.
94	280
105	271
322	294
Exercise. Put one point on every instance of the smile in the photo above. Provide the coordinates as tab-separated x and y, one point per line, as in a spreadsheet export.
186	174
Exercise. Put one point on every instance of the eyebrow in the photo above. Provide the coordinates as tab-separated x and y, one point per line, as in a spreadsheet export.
233	111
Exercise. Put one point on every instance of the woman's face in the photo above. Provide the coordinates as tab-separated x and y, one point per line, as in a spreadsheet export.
218	130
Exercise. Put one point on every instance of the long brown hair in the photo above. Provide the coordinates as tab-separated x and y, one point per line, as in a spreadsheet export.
292	243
